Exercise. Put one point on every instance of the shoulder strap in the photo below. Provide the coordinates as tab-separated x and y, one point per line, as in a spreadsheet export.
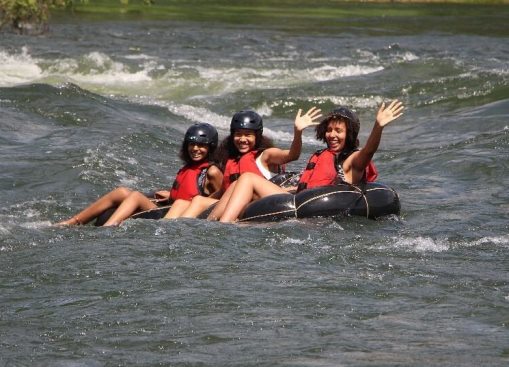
339	159
338	165
202	176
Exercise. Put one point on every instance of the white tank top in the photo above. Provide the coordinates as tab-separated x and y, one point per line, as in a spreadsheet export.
265	172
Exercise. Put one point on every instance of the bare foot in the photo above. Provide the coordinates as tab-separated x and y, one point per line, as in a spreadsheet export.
114	224
74	221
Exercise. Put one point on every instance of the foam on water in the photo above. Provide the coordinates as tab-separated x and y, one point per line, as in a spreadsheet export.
371	102
98	71
150	81
244	78
29	215
407	56
497	240
422	244
3	229
332	72
36	225
18	68
99	165
222	122
428	244
192	113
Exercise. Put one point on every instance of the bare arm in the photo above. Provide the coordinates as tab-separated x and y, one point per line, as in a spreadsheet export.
385	115
282	156
214	179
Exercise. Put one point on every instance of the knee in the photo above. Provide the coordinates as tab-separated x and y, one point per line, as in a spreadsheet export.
247	176
124	191
135	195
249	179
197	200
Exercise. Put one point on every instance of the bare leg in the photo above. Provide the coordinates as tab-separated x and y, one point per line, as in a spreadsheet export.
198	205
248	186
111	199
218	210
178	207
134	202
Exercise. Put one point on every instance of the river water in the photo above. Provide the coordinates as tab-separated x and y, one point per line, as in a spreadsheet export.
97	104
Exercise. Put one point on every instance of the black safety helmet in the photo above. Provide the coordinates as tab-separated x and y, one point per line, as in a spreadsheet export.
202	133
352	128
246	119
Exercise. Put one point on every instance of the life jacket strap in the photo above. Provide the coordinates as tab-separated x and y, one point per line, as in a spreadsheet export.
234	177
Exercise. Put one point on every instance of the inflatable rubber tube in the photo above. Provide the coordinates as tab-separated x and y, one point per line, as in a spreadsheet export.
156	213
371	200
270	208
378	201
327	201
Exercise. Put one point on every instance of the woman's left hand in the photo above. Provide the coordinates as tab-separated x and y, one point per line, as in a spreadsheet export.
391	113
308	119
162	195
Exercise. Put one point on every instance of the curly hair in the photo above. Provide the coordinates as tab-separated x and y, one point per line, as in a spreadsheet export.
341	114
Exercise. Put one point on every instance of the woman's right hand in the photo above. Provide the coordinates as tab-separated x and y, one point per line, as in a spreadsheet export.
308	119
390	113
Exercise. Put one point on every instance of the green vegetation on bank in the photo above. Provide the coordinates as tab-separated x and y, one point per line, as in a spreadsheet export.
28	16
31	16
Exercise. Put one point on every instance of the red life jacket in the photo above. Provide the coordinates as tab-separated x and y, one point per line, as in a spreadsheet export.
319	172
190	181
236	166
371	172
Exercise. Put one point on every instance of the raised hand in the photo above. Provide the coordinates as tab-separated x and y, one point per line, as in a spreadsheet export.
389	113
308	119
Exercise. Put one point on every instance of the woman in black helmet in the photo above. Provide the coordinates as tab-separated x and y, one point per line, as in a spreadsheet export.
199	176
246	150
341	161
